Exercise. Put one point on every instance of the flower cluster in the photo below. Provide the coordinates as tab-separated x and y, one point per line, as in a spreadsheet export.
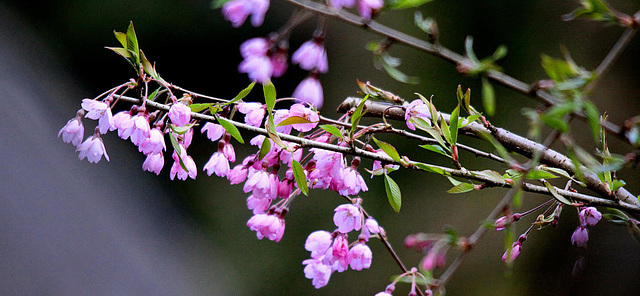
589	216
332	252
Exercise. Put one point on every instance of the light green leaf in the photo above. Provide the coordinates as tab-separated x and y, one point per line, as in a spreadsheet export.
122	38
264	148
593	117
488	97
536	174
430	168
269	91
154	94
436	149
332	130
357	114
403	4
446	132
120	51
294	120
461	188
132	43
556	195
181	130
231	129
388	149
243	93
393	193
200	107
491	175
301	178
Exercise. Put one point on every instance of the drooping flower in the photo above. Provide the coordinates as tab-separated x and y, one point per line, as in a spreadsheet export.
360	256
317	272
93	148
154	143
237	11
180	114
176	168
261	184
589	216
98	110
417	108
366	8
123	123
337	256
269	226
318	242
214	131
153	163
311	56
72	132
279	60
370	227
259	68
347	217
309	91
258	205
580	236
254	113
217	164
513	252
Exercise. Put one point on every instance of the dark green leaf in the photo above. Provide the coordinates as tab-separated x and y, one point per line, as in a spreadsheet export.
453	126
388	149
488	97
243	93
231	129
301	178
264	148
132	43
332	130
269	95
393	193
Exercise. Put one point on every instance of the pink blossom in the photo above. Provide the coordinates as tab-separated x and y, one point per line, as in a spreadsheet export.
123	123
339	4
370	227
254	47
180	114
317	271
513	252
383	294
351	182
186	138
278	117
141	129
318	242
589	216
347	217
311	56
254	113
72	132
153	163
434	258
360	256
154	143
284	188
309	91
279	61
300	110
218	164
262	184
93	149
338	255
214	131
417	108
100	111
258	205
237	11
229	152
268	226
176	168
238	174
367	7
580	236
259	68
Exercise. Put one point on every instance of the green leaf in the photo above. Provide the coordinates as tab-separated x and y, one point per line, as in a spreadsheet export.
461	188
120	51
595	10
264	148
444	128
430	168
243	93
231	129
555	123
453	127
488	97
272	133
517	198
357	114
122	38
154	94
216	4
393	193
399	75
200	107
452	236
500	52
176	148
332	130
536	174
468	49
490	175
132	43
269	91
294	120
388	149
436	149
148	67
561	172
301	178
181	130
403	4
593	117
617	184
556	195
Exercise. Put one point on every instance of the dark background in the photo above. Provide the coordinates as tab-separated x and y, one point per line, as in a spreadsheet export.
73	228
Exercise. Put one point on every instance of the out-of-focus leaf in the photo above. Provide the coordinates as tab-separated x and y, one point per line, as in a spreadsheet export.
403	4
595	10
536	174
398	75
556	195
593	117
488	97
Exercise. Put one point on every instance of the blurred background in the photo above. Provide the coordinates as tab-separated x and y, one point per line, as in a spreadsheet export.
68	227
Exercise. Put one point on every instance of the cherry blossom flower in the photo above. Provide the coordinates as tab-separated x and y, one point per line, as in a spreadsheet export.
434	258
311	56
279	60
580	236
237	11
123	123
258	205
513	254
309	91
176	168
367	7
370	227
360	256
180	114
417	108
351	182
262	184
229	152
154	143
100	111
347	217
317	272
300	110
72	132
254	113
318	242
259	68
269	226
337	256
589	216
153	163
214	131
217	164
339	4
93	148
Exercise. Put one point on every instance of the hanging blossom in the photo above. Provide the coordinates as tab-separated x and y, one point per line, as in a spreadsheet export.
237	11
93	148
417	108
259	60
270	226
366	8
73	131
589	216
309	91
311	56
98	110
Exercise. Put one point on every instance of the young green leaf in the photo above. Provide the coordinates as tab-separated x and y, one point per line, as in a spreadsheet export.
294	120
430	168
453	126
393	193
556	195
536	174
332	130
403	4
461	188
269	91
199	107
122	38
176	148
437	149
231	129
120	51
154	94
243	93
488	97
388	149
446	132
264	148
357	114
132	43
181	130
301	178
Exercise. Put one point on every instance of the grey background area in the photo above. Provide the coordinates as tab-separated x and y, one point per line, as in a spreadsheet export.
68	227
